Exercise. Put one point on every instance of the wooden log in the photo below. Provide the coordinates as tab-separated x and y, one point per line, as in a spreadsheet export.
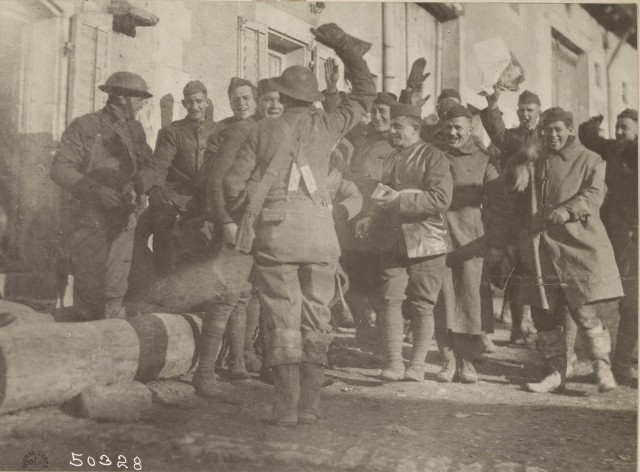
125	402
50	363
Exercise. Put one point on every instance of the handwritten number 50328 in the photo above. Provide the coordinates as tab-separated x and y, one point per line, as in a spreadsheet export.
76	461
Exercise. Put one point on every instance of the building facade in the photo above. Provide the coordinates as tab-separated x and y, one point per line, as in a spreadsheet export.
55	52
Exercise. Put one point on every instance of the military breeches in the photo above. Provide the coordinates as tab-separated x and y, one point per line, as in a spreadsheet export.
294	300
100	267
586	316
418	280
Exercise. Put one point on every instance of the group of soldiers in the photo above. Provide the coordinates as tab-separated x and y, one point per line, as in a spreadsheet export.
417	214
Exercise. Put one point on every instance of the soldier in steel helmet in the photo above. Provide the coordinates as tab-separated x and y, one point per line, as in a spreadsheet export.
280	175
105	162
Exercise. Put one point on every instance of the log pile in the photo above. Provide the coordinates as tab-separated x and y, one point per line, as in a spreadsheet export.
49	363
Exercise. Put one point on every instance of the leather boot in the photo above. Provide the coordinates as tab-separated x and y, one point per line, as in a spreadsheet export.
311	381
444	338
626	341
599	344
334	37
422	334
393	369
465	349
204	380
236	333
252	362
286	382
552	348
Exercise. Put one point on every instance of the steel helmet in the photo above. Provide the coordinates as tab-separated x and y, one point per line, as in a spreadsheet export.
125	84
298	82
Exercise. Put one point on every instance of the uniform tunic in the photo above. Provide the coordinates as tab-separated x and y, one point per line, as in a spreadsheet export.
180	147
296	247
102	149
476	220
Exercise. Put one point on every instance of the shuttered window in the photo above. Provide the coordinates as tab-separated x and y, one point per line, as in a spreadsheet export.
253	61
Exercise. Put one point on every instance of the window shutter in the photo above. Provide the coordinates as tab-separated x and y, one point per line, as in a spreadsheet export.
91	39
253	41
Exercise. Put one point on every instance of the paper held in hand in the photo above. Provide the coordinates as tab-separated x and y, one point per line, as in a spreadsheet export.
498	66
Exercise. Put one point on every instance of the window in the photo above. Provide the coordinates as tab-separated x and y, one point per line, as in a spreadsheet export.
285	52
598	73
275	64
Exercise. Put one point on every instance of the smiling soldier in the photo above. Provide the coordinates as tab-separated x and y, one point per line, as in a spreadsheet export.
576	259
406	222
180	147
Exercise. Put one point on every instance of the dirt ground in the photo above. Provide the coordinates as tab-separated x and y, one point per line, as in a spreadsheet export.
366	425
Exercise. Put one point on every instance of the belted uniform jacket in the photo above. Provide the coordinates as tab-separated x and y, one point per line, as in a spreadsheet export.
102	149
416	226
293	226
576	256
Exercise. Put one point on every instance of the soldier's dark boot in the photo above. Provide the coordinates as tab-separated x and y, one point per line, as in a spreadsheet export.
444	338
465	349
311	381
286	382
599	345
393	368
626	341
422	334
252	362
236	329
331	35
553	350
204	380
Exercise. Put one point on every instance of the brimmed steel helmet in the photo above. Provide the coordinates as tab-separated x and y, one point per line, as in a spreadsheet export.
298	82
126	84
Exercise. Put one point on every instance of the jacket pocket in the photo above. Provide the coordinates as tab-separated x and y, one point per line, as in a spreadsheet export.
272	215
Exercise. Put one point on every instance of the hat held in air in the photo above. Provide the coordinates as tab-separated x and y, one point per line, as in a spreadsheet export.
297	82
126	84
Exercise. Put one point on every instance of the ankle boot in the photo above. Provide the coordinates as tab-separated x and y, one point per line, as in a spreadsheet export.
311	381
465	349
422	334
286	382
444	338
204	380
236	333
626	341
393	369
251	361
552	348
599	344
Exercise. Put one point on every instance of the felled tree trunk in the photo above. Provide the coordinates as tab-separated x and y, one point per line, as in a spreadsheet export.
49	363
